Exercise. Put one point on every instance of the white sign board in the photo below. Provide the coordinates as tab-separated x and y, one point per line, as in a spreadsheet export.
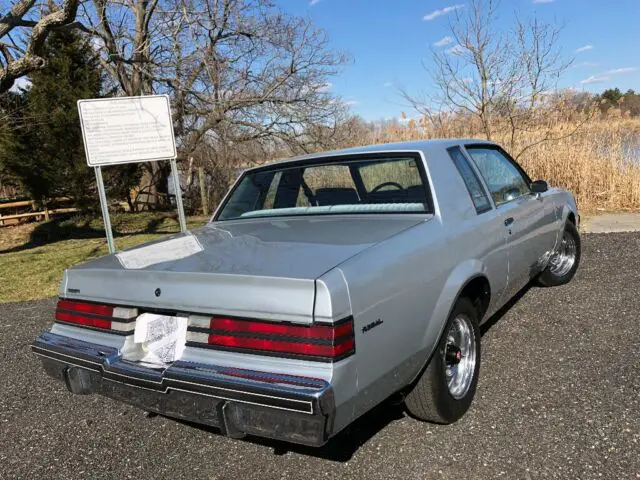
127	130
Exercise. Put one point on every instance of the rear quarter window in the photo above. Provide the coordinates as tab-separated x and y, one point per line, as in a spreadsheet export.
471	180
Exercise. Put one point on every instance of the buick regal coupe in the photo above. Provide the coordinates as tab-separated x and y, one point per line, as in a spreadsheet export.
322	286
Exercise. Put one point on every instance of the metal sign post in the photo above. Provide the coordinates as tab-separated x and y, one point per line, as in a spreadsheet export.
178	193
105	209
125	130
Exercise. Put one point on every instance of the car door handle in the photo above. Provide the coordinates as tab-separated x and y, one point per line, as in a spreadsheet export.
508	221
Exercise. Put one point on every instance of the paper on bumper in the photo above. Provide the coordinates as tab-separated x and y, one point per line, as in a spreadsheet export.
162	337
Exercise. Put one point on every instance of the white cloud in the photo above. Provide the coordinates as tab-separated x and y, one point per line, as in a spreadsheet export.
584	48
605	76
543	1
621	71
442	11
595	79
584	64
314	2
350	103
388	84
443	42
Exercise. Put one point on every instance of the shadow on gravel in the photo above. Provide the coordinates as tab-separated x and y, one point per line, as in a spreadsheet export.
341	447
495	318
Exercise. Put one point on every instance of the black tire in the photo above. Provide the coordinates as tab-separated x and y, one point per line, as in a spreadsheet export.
430	398
549	278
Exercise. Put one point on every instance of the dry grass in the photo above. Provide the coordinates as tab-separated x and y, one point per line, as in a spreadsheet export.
599	162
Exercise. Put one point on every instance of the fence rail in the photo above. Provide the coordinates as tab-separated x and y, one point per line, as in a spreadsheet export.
14	218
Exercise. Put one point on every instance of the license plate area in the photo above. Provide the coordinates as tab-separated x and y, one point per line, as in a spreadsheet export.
158	340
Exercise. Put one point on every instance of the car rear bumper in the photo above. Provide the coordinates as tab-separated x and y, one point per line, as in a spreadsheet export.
239	402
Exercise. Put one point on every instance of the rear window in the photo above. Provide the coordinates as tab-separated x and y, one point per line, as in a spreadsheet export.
363	185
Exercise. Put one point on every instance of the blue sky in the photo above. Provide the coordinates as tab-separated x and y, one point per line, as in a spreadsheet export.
389	41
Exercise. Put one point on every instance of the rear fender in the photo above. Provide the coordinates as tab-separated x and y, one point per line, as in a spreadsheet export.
455	283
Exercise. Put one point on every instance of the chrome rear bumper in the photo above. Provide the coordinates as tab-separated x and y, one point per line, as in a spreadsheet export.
238	401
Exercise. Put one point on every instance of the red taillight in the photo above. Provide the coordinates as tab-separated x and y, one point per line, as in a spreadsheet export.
319	332
331	342
83	320
95	309
94	315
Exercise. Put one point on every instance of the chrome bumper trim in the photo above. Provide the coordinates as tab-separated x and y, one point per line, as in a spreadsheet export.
282	392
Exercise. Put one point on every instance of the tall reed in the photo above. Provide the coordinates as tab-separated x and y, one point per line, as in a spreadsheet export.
597	159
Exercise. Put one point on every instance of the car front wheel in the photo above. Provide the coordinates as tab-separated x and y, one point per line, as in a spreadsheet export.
563	264
444	391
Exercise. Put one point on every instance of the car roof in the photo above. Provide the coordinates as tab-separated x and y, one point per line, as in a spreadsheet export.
427	147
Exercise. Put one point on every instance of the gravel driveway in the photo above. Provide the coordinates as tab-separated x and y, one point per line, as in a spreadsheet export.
559	397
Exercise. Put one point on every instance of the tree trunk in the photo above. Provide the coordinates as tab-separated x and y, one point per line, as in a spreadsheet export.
203	192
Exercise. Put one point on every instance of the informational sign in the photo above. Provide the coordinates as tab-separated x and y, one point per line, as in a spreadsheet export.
124	130
127	130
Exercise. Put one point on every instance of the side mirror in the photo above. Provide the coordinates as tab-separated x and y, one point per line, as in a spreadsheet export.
539	186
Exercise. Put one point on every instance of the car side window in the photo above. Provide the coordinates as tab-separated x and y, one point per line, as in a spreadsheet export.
505	181
471	180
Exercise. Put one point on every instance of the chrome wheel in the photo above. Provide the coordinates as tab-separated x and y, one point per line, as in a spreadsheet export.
562	261
460	357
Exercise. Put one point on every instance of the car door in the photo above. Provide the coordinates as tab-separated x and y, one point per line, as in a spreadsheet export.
487	227
528	218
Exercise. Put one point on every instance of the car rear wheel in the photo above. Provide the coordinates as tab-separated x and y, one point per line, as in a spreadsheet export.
563	264
444	391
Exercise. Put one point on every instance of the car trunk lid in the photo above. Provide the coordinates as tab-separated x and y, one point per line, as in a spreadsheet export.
262	268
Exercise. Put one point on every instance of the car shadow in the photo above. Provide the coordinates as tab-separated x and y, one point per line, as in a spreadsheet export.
341	447
496	317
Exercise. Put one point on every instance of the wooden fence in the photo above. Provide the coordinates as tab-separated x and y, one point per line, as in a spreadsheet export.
44	214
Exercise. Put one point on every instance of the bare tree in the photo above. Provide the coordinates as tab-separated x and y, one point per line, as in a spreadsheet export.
131	37
237	68
251	73
252	83
129	34
237	71
501	79
24	28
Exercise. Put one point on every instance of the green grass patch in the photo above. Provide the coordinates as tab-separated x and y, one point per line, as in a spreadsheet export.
31	265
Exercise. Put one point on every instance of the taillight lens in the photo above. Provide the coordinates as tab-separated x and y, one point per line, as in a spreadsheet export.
329	342
93	315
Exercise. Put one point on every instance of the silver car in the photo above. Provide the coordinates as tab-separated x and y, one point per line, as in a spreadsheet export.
322	286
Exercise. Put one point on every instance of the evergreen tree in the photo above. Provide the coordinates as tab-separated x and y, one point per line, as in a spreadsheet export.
44	149
612	96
